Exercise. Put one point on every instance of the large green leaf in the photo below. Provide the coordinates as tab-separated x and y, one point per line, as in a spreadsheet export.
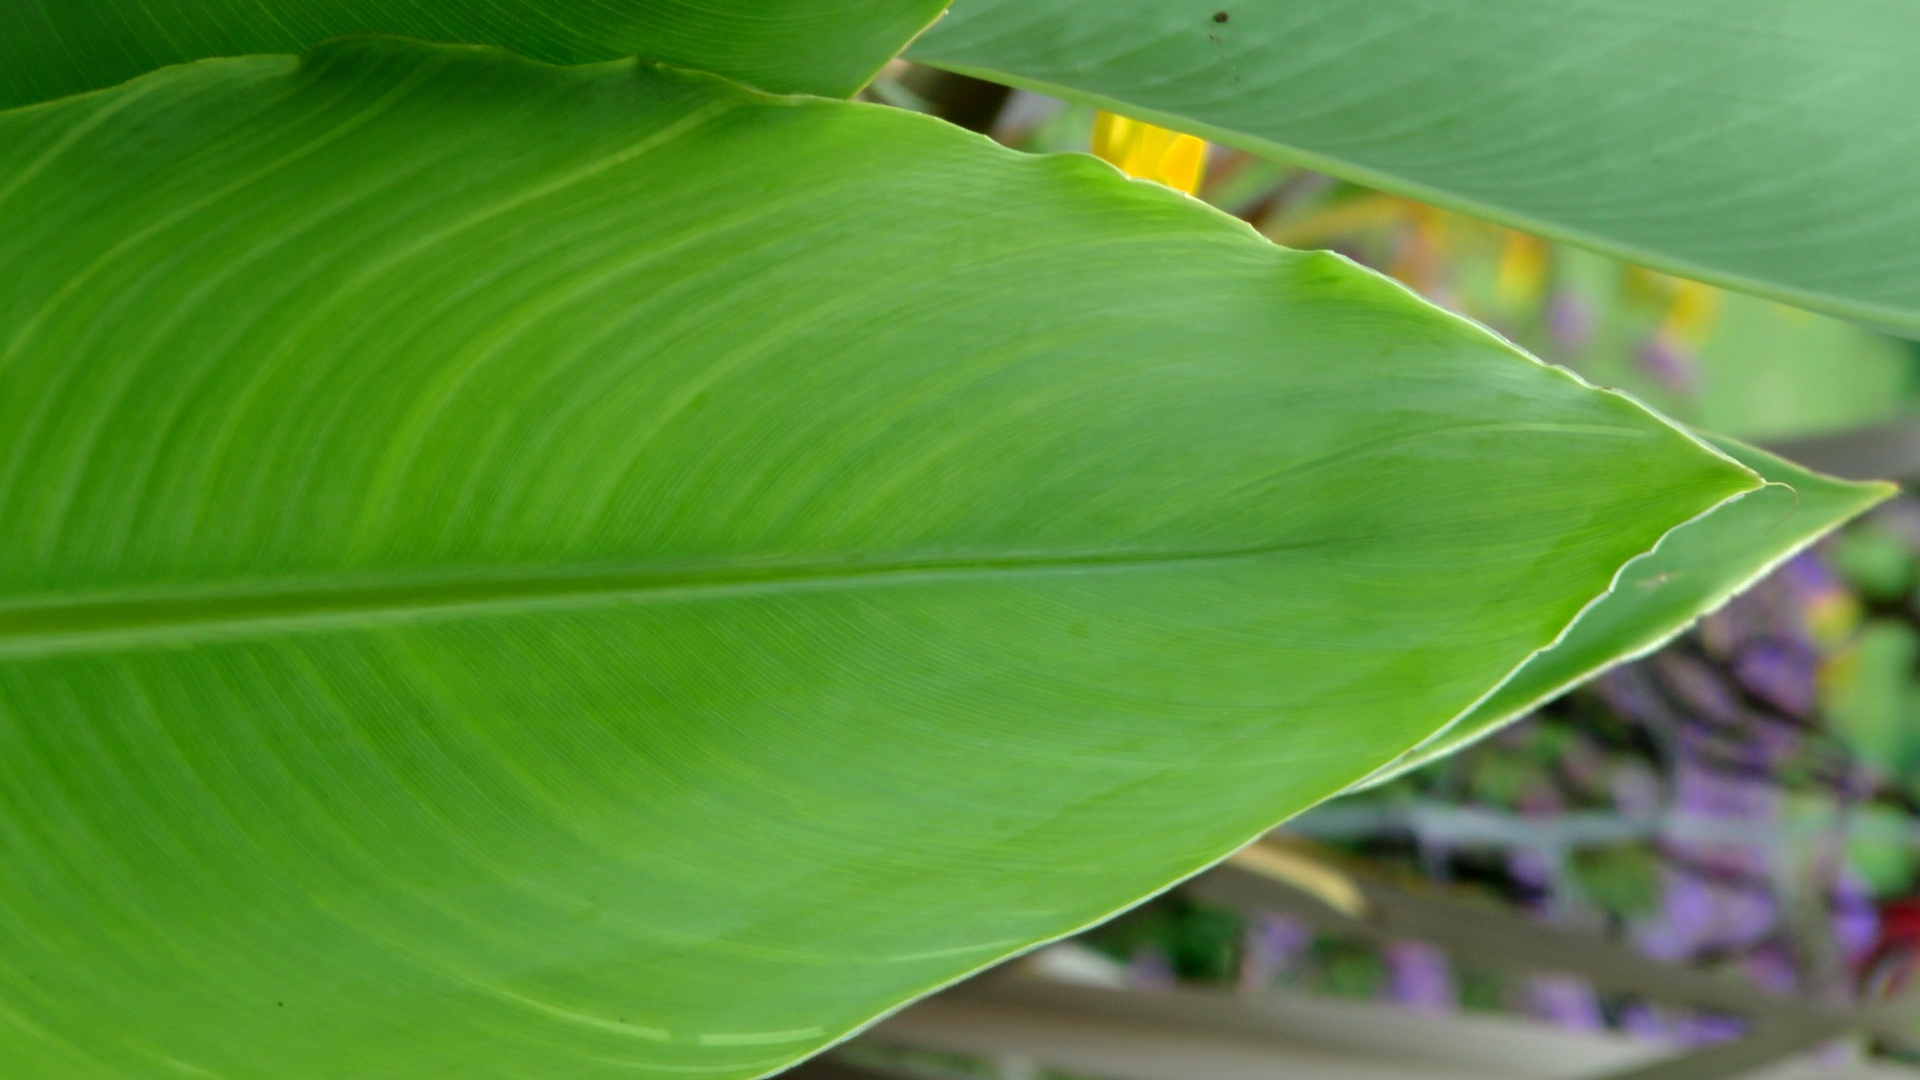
1762	144
592	572
51	48
1693	570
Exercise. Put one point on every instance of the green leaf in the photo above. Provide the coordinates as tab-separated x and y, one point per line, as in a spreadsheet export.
594	572
52	48
1694	569
1758	144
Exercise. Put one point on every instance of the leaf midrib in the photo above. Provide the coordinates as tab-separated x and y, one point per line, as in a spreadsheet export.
86	622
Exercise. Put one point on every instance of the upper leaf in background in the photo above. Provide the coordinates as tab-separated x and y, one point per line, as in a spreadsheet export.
599	573
1766	145
52	48
1695	569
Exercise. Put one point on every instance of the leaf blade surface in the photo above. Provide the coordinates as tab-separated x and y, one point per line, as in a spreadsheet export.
596	572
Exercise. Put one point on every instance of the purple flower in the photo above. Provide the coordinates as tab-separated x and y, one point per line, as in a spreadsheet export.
1809	576
1629	691
1700	915
1273	943
1697	686
1747	915
1570	321
1771	968
1698	1029
1532	868
1565	1001
1419	978
1779	673
1668	362
1708	793
1643	1020
1774	741
1683	920
1855	922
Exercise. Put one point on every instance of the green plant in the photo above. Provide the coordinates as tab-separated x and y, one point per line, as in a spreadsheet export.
516	570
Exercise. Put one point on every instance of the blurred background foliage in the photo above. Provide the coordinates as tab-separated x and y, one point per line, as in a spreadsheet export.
1748	798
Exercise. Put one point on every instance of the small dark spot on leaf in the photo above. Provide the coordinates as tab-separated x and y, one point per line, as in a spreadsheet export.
1219	16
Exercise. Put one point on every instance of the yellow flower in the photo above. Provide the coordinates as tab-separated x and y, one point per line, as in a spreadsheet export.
1149	152
1694	309
1522	270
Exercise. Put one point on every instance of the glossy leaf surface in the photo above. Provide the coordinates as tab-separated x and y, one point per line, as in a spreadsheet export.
593	572
831	47
1694	569
1761	144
